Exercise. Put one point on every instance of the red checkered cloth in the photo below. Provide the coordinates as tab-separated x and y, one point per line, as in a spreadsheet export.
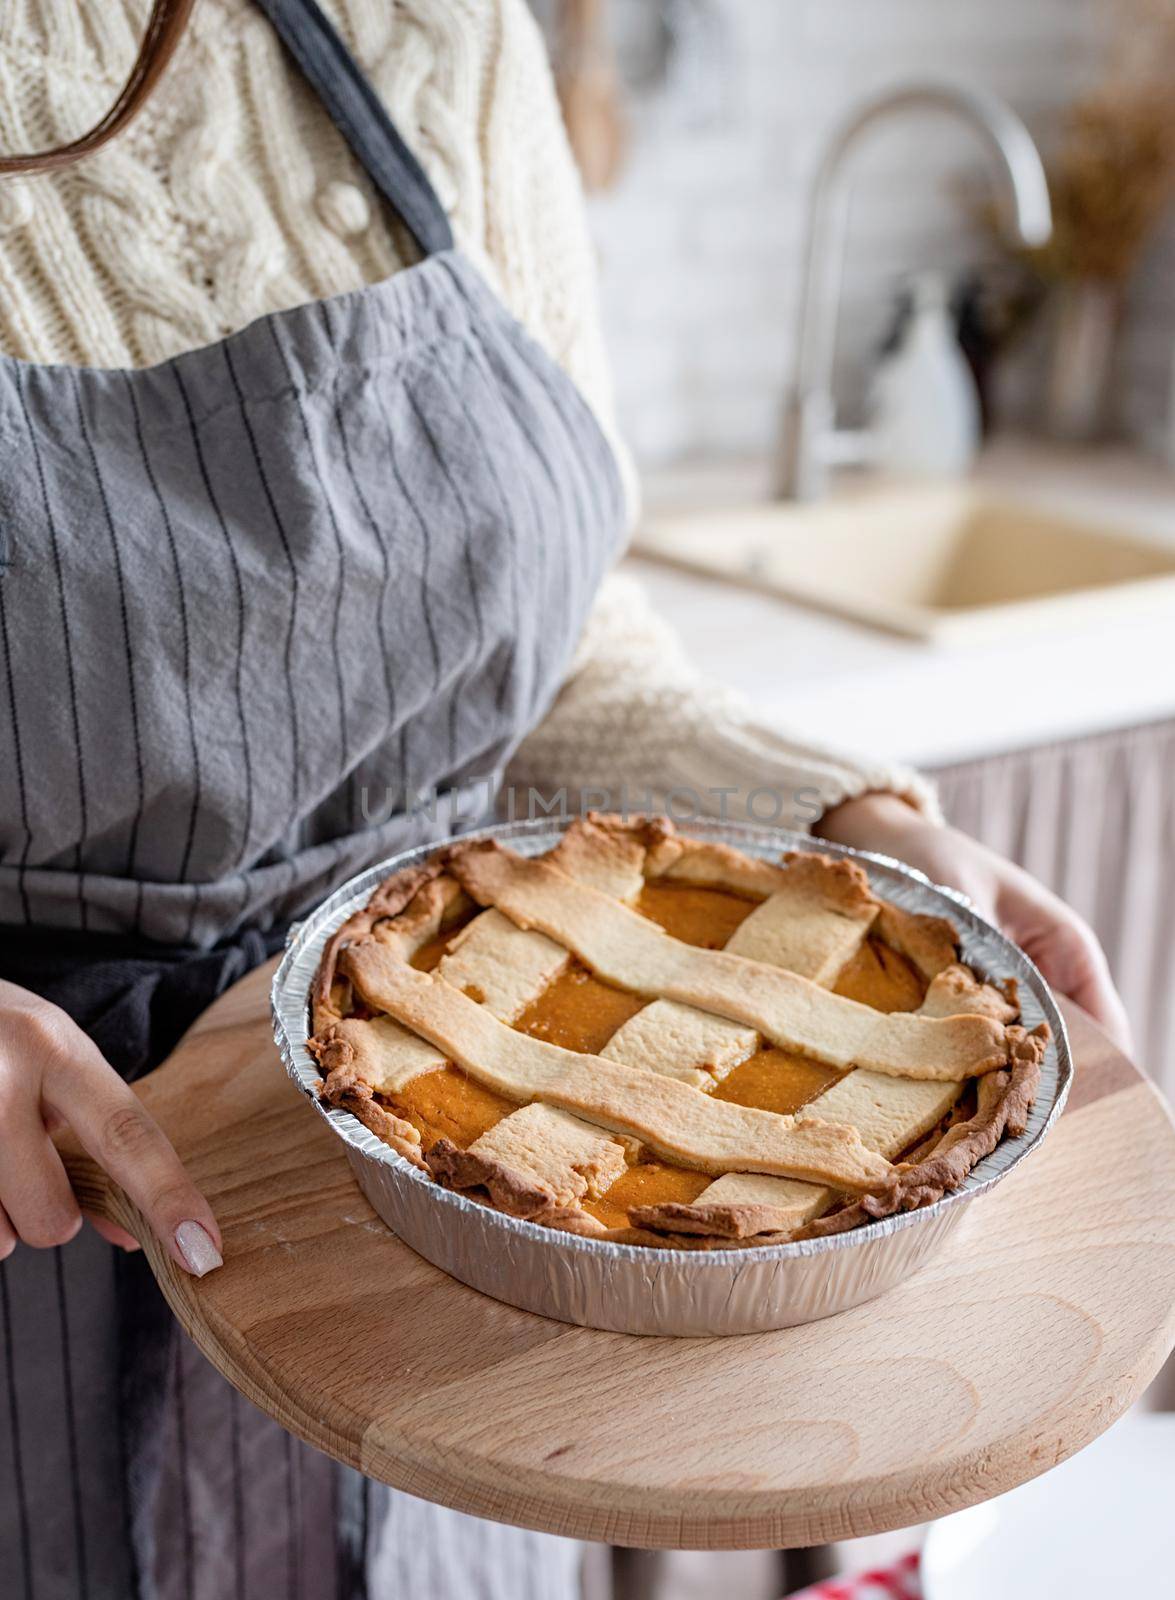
899	1582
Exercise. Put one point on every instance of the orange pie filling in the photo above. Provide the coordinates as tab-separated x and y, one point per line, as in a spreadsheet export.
882	978
776	1080
647	1183
427	955
705	917
580	1012
448	1104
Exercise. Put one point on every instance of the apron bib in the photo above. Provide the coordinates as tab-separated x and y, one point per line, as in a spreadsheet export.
269	612
272	608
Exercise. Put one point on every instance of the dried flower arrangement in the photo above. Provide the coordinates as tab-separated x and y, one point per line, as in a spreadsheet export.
1112	172
1111	176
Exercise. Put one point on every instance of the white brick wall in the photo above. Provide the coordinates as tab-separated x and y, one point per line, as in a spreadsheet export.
700	242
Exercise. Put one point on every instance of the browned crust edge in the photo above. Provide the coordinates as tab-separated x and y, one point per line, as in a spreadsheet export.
509	1190
929	943
352	1094
1005	1099
393	897
847	879
963	1110
999	1000
731	1223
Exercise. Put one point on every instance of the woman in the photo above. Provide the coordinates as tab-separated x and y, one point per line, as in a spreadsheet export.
299	523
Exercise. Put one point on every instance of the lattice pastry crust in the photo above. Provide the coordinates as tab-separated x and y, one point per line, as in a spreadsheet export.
939	1085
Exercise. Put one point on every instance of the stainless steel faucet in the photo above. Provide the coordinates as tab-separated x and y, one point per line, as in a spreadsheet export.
811	442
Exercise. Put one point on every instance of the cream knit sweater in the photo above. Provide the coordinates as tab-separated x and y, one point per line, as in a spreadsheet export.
233	195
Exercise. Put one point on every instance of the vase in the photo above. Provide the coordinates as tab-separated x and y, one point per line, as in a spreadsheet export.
1086	317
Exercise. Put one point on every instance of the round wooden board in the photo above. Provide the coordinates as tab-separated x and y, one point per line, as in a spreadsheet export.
1046	1314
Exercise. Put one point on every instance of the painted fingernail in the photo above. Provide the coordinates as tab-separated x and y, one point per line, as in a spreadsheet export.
196	1246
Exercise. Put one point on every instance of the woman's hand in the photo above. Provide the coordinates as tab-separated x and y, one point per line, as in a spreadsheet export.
1062	945
52	1075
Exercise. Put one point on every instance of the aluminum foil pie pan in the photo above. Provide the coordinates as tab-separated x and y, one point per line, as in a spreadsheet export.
633	1289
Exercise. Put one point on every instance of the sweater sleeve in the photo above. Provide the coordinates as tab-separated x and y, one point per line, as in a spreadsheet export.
635	727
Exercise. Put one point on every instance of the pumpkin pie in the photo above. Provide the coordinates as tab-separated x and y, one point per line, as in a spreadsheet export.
663	1041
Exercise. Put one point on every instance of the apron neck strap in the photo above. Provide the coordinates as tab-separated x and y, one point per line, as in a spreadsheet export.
358	113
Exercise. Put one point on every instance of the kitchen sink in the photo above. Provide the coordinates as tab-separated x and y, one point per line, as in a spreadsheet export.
954	562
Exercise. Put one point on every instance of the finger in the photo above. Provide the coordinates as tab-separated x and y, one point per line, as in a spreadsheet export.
111	1232
34	1189
122	1136
7	1236
1095	993
1076	965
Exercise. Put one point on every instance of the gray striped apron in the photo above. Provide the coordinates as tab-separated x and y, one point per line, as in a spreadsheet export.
268	612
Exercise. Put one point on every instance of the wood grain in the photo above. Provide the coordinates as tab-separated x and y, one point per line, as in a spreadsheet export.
1044	1317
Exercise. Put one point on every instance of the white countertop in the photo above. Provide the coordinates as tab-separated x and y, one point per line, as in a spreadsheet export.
841	683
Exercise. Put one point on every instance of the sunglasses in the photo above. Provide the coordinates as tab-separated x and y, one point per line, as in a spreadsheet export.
168	20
